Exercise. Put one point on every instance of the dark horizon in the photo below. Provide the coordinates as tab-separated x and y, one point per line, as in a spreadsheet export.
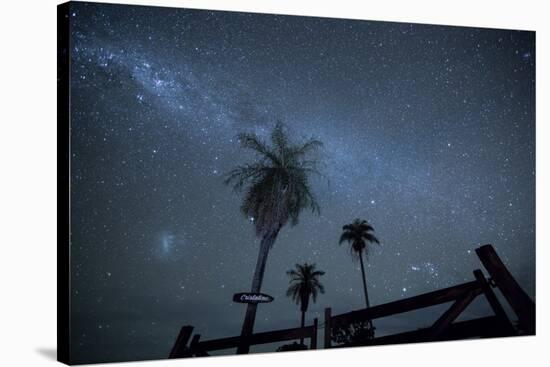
428	132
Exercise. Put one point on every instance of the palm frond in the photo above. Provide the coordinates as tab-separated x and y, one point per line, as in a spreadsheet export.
241	175
346	237
371	238
253	142
279	139
299	152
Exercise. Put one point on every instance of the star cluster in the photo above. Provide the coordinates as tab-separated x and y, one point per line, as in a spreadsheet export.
428	132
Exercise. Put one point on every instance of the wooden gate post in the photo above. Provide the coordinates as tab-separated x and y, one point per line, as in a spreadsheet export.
193	346
441	325
178	350
494	303
521	303
328	330
313	344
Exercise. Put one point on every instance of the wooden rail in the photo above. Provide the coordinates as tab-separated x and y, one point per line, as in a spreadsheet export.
484	327
202	348
406	305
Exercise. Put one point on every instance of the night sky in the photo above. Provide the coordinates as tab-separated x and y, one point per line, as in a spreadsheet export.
428	132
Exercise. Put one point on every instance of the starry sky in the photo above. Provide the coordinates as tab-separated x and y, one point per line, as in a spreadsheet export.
428	132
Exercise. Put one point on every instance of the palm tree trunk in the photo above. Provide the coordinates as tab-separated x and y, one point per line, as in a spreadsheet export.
364	280
365	285
302	324
250	316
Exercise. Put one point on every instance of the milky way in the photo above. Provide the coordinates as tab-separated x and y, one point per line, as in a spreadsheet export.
428	132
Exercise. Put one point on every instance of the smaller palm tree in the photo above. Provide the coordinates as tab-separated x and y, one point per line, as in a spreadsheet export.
304	284
357	234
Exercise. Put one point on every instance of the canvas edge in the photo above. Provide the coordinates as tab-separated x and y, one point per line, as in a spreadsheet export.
63	183
64	158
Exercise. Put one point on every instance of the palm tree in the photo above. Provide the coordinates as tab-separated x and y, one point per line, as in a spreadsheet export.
357	234
304	283
276	190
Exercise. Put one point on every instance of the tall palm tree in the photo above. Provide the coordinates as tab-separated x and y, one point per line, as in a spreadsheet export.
276	190
304	284
357	234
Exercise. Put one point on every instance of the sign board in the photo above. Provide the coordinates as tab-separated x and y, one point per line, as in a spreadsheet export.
252	298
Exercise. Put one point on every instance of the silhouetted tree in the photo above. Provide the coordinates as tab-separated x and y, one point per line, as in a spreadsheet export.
292	347
276	191
355	332
358	234
304	284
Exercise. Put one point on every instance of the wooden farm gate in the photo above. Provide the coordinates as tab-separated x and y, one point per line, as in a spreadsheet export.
199	348
444	328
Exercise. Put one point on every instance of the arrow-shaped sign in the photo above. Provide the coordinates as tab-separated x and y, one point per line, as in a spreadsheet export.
252	298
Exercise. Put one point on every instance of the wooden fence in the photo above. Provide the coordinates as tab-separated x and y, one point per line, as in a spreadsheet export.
443	328
201	348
